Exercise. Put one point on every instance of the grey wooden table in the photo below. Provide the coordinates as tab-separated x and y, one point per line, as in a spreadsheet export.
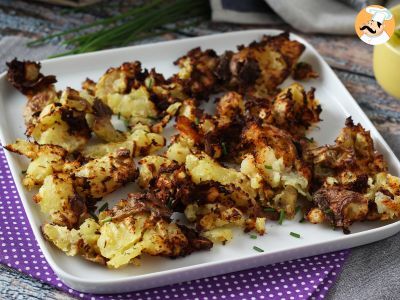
350	59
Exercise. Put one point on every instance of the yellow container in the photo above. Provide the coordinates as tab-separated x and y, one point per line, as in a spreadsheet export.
387	61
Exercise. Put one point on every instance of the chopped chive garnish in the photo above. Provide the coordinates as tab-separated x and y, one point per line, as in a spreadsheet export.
328	211
281	217
119	116
297	209
302	220
23	172
294	234
106	220
253	236
268	167
170	203
258	249
103	207
93	215
196	121
149	81
270	209
224	148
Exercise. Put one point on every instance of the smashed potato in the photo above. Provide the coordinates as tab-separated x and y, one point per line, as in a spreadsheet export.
59	199
203	168
46	160
102	176
140	141
62	126
82	241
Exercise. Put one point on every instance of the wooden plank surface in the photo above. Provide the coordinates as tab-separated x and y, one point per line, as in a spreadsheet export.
349	57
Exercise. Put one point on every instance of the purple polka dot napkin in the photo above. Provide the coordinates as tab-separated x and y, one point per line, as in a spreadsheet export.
307	278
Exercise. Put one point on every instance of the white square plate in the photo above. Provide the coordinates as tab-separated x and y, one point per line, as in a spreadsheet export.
337	104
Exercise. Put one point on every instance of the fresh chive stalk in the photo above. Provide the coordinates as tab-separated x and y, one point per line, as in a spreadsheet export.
93	215
106	220
281	217
269	209
258	249
294	234
224	151
137	23
103	207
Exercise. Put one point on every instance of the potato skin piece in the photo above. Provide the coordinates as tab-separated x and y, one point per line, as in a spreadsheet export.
25	76
341	207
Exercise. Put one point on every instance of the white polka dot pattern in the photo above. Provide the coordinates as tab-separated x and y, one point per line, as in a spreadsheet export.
307	278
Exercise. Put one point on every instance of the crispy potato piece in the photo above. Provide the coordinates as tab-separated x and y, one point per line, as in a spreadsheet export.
277	187
275	155
203	168
214	220
46	160
25	76
304	71
102	125
116	80
133	227
384	191
150	167
341	207
315	216
166	92
219	235
89	86
141	226
262	66
62	126
257	69
97	114
59	199
123	90
102	176
271	161
37	103
136	107
179	148
218	135
82	241
141	141
295	110
350	159
196	74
